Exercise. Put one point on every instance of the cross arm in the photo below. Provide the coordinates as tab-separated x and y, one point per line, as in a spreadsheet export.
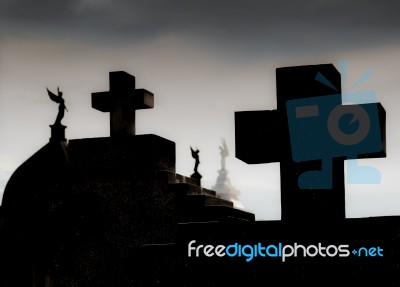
258	136
143	99
101	101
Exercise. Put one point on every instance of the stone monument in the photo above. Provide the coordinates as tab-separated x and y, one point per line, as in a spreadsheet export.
79	212
113	212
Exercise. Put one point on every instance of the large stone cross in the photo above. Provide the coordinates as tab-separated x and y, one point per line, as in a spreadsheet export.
121	102
310	134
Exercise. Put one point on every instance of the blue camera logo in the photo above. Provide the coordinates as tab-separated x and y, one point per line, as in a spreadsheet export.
321	128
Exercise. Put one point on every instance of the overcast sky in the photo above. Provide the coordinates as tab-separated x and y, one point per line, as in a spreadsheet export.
203	60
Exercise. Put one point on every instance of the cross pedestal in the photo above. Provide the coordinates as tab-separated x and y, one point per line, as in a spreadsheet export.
121	102
310	135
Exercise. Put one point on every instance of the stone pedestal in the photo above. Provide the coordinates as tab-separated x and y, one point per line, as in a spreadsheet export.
225	190
197	176
58	132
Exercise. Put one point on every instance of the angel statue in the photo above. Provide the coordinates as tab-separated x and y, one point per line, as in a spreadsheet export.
58	99
223	152
195	155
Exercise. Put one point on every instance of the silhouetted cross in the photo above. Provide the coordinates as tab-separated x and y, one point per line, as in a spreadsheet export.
310	134
121	102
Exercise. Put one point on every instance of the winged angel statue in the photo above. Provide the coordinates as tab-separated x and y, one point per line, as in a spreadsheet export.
58	99
224	153
195	155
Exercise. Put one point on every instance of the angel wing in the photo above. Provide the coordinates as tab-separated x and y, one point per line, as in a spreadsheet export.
53	97
225	147
193	152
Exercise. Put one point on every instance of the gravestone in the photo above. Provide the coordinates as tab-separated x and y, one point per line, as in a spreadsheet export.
311	189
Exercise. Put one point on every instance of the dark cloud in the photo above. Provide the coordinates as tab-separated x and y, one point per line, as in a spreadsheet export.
276	24
28	11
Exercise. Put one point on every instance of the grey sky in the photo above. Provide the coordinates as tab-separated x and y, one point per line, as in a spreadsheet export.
203	60
287	26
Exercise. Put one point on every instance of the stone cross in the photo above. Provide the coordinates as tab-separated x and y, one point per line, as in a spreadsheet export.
309	136
121	102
